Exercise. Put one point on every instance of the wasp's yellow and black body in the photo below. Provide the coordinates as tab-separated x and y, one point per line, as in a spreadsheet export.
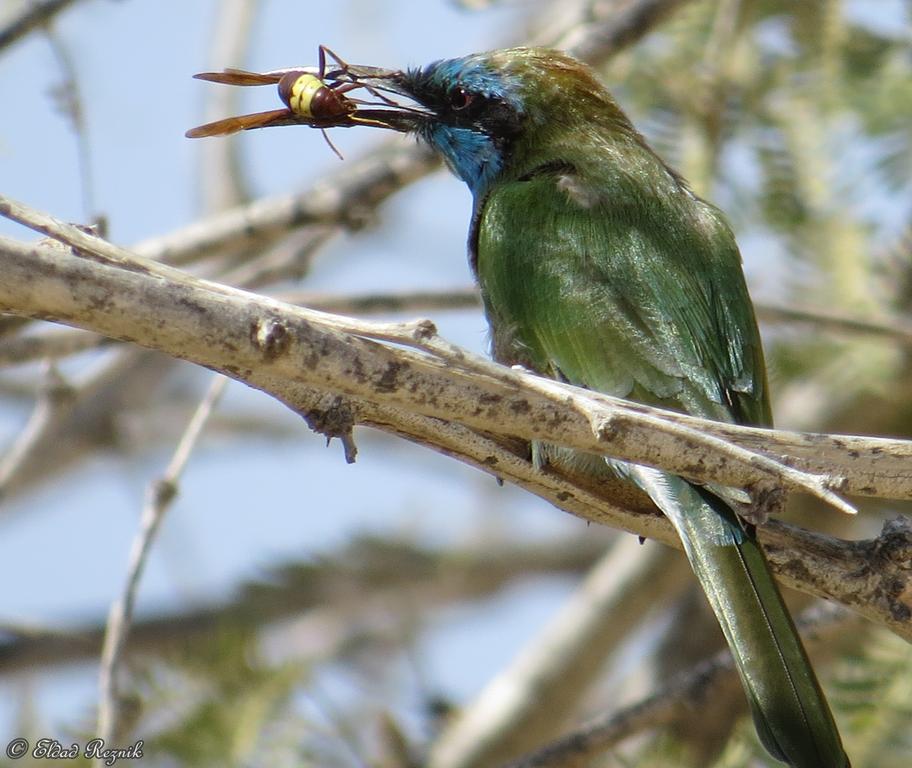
309	96
312	96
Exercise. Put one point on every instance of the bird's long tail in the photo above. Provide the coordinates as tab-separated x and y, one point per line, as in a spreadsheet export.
790	712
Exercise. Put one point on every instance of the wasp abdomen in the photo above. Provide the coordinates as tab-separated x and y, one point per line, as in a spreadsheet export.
308	96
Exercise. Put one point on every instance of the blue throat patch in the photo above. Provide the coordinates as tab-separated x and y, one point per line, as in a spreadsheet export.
471	155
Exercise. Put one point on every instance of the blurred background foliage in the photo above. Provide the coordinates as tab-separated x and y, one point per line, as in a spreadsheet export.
363	650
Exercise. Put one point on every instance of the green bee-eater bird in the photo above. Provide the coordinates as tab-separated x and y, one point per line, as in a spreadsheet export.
598	266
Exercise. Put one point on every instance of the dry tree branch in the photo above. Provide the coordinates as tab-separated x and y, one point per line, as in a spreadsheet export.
628	428
337	372
344	199
55	343
683	430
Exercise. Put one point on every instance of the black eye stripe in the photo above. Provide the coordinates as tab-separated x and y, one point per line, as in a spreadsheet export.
479	110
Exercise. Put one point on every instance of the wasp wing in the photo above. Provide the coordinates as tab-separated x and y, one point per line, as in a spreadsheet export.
231	125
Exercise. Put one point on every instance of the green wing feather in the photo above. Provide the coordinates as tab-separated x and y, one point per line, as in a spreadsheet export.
644	298
652	310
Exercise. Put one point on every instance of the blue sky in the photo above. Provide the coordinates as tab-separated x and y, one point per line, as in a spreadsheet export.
244	504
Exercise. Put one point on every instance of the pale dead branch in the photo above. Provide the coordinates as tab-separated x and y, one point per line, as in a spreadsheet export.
616	427
338	372
346	199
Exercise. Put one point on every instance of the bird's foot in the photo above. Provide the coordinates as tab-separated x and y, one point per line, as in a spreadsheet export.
766	499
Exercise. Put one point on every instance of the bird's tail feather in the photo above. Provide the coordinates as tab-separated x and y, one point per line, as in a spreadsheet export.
790	712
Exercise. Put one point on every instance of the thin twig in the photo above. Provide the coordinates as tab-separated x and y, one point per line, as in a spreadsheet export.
895	329
31	17
288	260
53	344
158	499
69	99
388	303
222	181
53	394
87	418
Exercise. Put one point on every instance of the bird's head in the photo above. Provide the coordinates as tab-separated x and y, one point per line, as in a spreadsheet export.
489	113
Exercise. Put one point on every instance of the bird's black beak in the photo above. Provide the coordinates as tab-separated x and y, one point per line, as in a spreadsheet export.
381	105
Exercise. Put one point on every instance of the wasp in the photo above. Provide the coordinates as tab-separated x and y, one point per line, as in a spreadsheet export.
308	96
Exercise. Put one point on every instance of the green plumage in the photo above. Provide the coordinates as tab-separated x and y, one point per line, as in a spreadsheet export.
638	299
598	266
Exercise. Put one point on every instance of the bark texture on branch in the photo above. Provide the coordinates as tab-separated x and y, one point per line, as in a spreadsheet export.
324	365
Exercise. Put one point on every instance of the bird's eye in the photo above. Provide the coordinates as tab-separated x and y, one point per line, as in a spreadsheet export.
460	98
